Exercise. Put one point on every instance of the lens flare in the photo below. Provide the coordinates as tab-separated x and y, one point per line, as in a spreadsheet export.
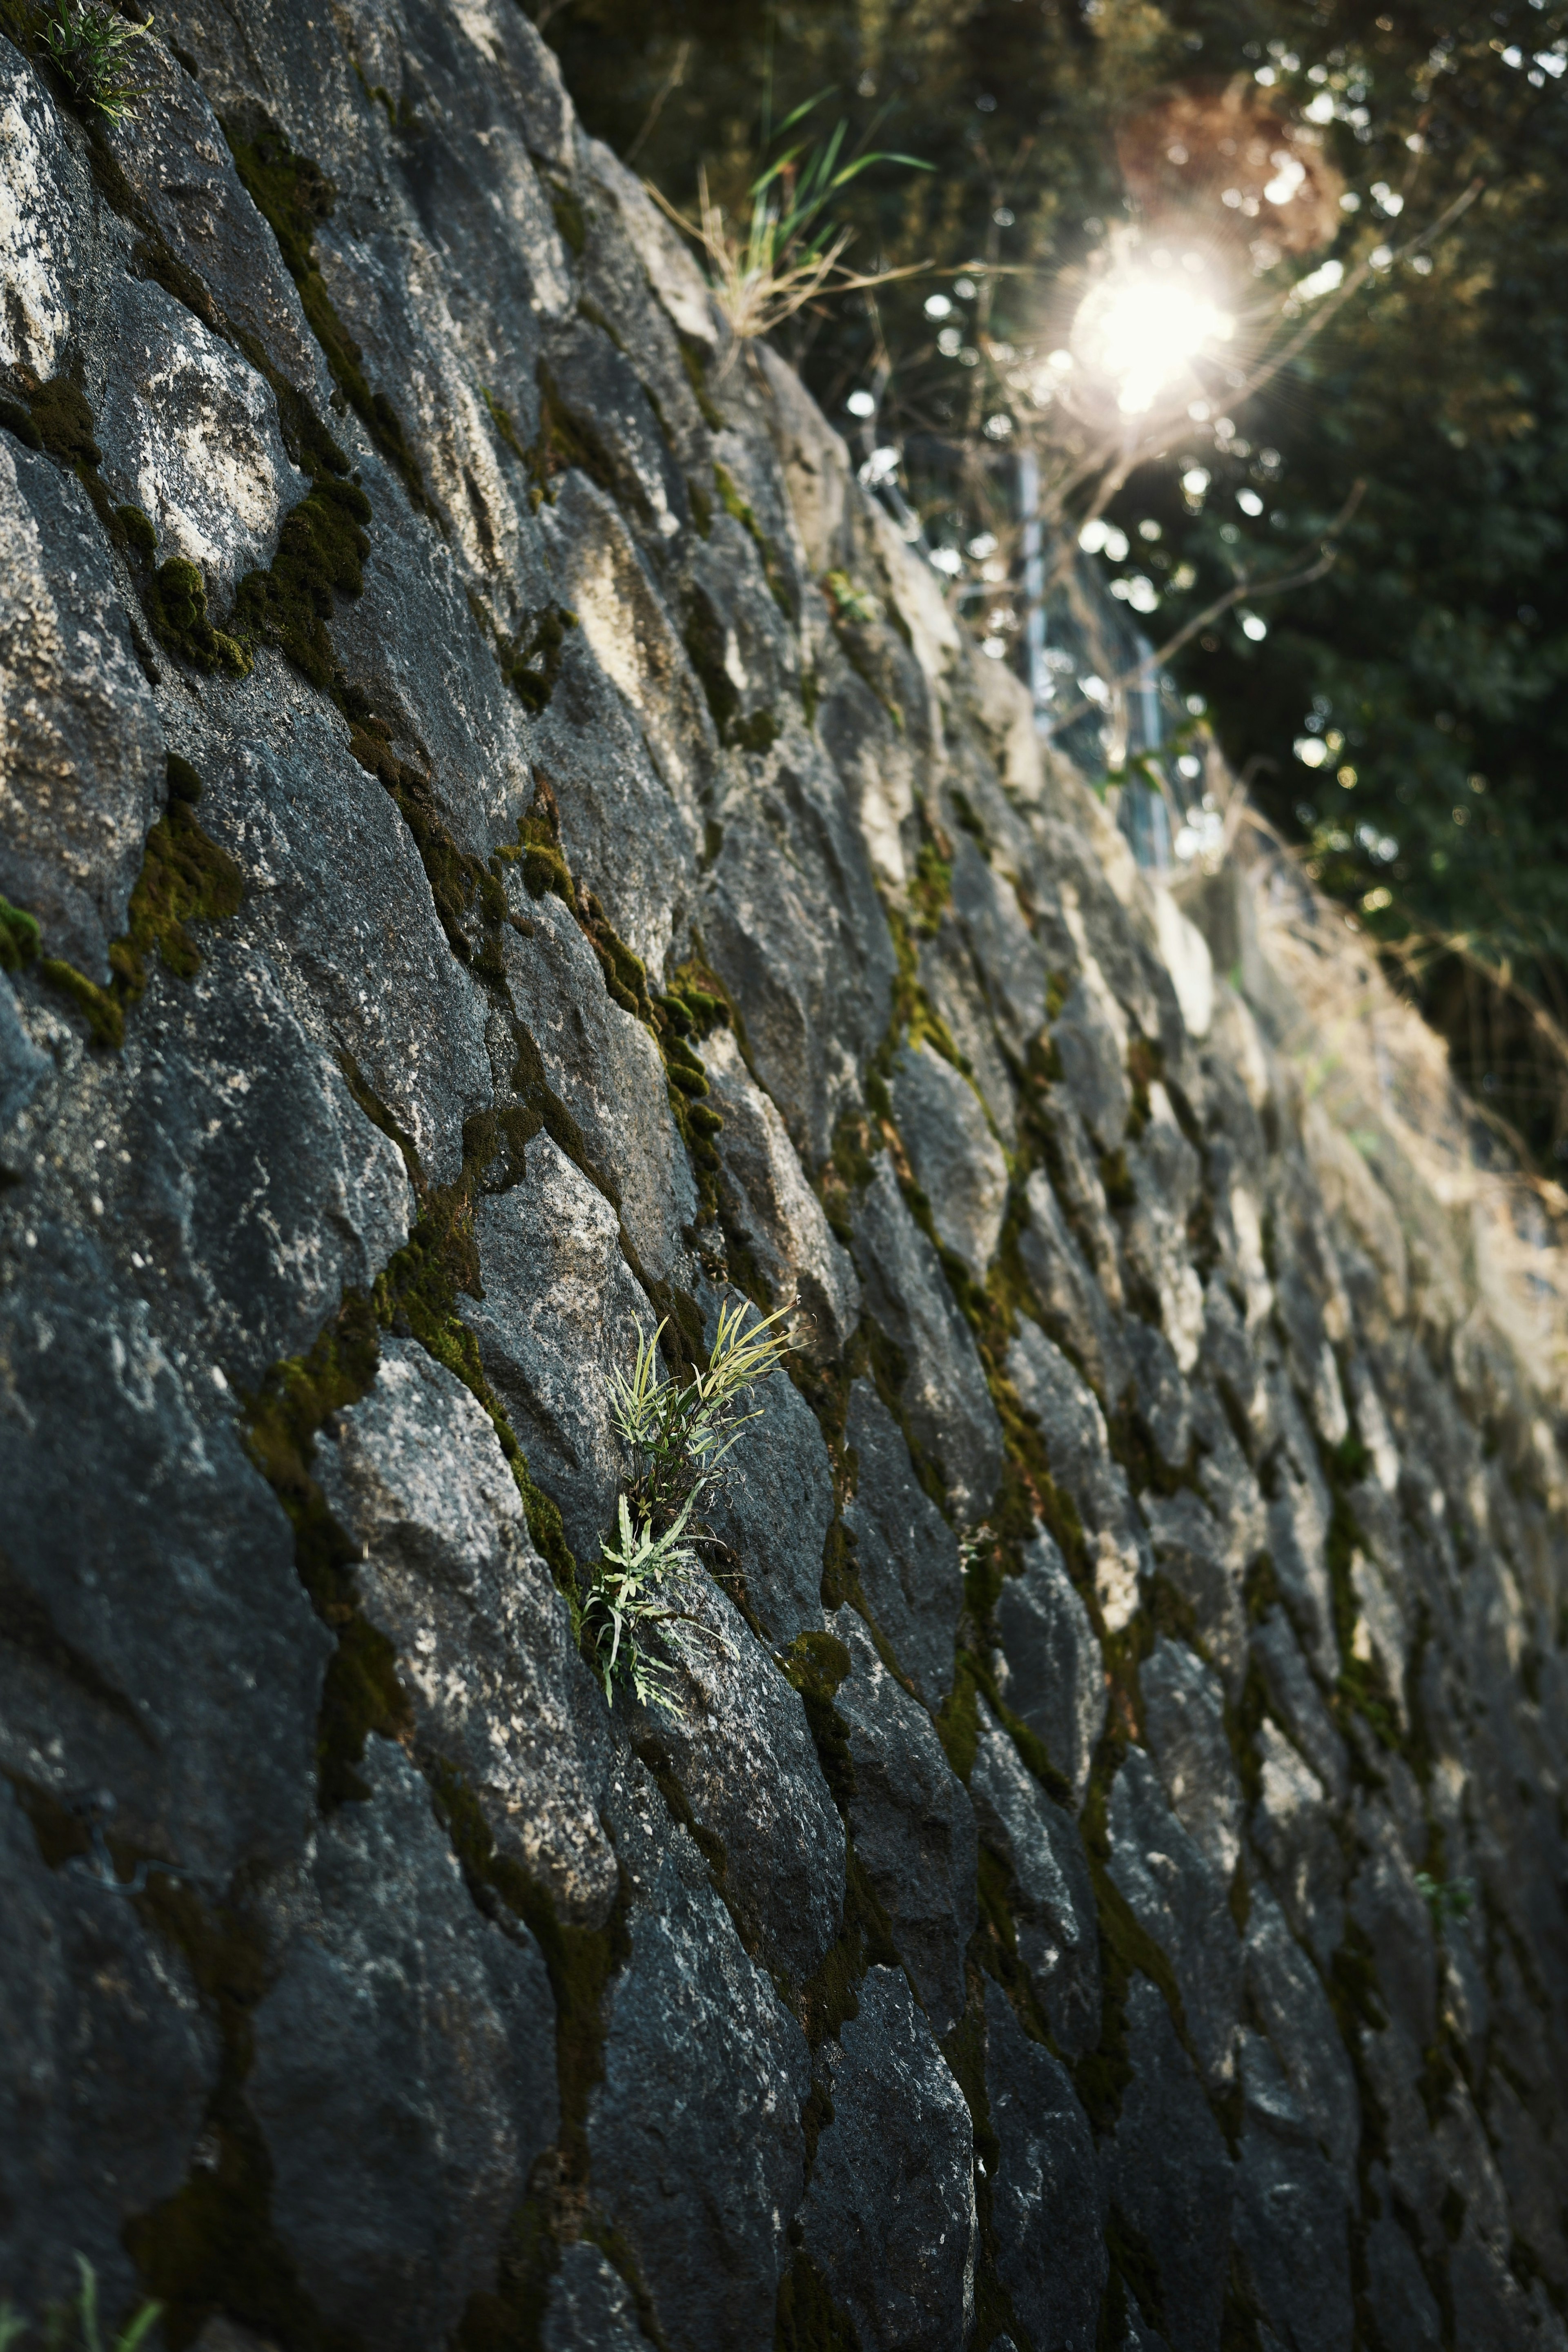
1141	332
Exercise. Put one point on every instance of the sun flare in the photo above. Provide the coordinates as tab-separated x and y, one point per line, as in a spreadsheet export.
1140	331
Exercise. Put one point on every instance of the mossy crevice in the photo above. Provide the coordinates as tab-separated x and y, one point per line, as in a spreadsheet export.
211	2249
321	555
185	878
773	568
531	662
294	196
470	902
581	1963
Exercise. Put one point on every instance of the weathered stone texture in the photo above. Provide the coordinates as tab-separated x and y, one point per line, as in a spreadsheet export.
1100	1873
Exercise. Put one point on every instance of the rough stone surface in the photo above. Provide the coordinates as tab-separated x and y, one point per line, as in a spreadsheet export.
1052	1896
1168	2178
697	2147
912	1824
956	1160
1055	1677
889	2215
560	1309
1044	2197
591	2307
416	1475
944	1393
404	2078
905	1552
1182	1901
311	1288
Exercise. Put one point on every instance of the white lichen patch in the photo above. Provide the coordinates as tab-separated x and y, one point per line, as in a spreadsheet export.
190	435
35	224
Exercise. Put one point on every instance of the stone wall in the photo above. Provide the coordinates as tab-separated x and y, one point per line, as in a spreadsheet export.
501	844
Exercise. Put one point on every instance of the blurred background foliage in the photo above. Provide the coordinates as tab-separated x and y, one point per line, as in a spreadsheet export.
1403	720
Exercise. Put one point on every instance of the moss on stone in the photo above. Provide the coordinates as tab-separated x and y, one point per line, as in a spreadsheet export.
773	563
806	2318
321	552
470	902
19	937
294	195
176	602
185	878
531	664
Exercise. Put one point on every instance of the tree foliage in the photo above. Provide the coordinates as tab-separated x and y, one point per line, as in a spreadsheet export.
1428	662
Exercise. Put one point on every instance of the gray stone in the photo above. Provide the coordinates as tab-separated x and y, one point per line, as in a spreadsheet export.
1196	1551
736	1739
1165	1170
1292	2219
1401	2300
106	2063
912	1824
889	2215
1297	1846
1075	1168
948	976
1007	955
405	2070
83	777
779	1219
1162	1398
1051	1892
944	1394
1045	2195
696	2146
1298	1704
1293	2008
156	1639
606	1069
559	1314
1093	1066
337	898
1184	1711
1386	1905
794	930
1078	1448
1166	2173
956	1160
23	1068
775	1509
174	153
1055	1674
591	2306
416	1474
1070	1299
1182	1903
1298	1531
190	435
906	1554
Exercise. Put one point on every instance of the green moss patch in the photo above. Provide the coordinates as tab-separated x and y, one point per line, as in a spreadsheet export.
530	665
322	548
185	878
176	602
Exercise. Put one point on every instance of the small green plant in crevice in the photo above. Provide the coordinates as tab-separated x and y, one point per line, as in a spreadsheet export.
1446	1898
74	2327
679	1432
88	44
